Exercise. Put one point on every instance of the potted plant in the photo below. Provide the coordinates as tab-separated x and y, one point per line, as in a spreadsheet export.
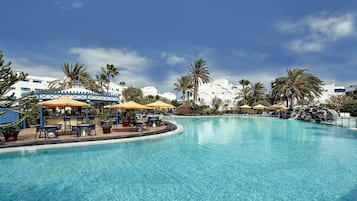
106	128
10	133
106	124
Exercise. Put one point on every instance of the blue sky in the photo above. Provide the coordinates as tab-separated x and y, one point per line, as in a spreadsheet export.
153	42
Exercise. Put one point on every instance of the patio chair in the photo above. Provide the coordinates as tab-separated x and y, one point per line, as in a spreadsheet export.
91	128
150	122
39	131
51	132
75	129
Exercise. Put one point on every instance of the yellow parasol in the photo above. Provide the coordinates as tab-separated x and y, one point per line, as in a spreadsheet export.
160	105
62	102
259	107
245	106
277	107
127	105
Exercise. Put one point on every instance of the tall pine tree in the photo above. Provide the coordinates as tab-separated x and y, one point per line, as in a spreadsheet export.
8	101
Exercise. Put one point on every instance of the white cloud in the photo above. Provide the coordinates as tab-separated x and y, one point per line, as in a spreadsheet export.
173	59
130	64
25	65
318	31
68	5
94	58
77	5
306	45
248	55
264	77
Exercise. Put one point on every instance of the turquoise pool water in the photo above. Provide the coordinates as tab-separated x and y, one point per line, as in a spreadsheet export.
215	158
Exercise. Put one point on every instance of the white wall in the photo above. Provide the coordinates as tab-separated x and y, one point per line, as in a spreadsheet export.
32	83
329	90
221	88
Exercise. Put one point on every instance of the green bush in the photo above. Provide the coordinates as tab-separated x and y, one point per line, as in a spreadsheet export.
350	107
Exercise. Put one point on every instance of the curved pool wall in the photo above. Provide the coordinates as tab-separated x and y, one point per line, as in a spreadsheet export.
215	158
174	129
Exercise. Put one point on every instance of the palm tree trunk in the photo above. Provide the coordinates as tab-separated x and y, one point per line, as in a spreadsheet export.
188	99
183	97
195	93
108	82
291	101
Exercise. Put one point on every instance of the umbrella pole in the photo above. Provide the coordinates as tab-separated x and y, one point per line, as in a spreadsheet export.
117	117
41	116
87	120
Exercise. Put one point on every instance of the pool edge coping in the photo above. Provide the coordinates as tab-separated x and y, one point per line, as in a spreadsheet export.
179	129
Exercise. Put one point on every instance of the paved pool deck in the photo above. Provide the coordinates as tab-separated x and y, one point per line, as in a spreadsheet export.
26	139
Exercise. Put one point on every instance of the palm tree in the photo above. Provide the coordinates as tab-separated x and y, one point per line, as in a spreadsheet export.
257	91
102	79
111	71
199	74
73	73
244	92
184	83
297	85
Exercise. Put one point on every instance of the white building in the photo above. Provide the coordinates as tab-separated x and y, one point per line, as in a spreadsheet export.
31	83
36	83
220	88
351	88
228	92
329	90
116	89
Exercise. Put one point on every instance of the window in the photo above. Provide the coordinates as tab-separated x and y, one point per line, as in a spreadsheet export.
25	91
36	81
25	80
340	90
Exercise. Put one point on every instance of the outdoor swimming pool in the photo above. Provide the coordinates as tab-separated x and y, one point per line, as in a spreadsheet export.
215	158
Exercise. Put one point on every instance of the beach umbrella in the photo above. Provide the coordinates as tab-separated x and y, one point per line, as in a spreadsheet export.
283	107
128	105
259	107
63	102
160	105
277	107
245	106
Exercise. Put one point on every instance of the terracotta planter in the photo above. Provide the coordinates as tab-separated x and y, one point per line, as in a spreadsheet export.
126	123
11	136
106	129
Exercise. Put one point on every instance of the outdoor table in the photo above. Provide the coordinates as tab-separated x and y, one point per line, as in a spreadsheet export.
66	123
84	129
139	125
51	130
153	121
